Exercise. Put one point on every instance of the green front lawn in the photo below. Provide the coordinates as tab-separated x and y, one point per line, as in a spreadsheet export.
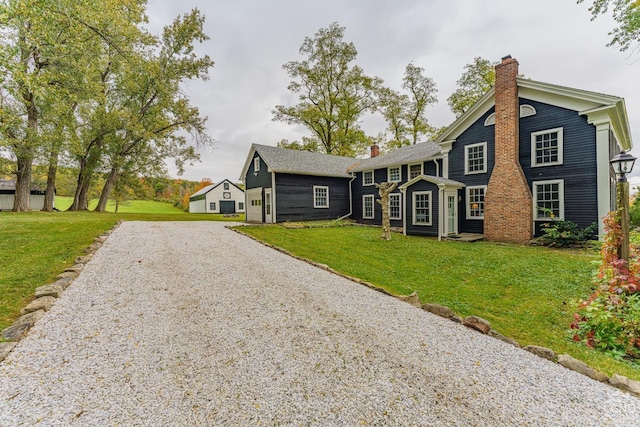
525	292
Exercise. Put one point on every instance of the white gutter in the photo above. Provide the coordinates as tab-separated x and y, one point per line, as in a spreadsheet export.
350	200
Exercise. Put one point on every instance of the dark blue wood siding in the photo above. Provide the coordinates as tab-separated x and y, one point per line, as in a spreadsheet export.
422	230
294	197
475	134
260	179
578	169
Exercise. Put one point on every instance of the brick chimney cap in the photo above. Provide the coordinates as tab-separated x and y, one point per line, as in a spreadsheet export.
506	58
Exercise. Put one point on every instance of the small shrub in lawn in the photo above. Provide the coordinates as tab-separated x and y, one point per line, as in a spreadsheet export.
609	320
561	233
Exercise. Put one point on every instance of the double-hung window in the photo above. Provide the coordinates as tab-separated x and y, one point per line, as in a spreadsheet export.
394	206
367	178
367	206
415	170
475	158
548	199
212	206
320	196
422	208
393	174
546	147
475	202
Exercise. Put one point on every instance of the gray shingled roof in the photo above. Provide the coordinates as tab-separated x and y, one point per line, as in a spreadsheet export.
204	190
284	160
7	184
400	156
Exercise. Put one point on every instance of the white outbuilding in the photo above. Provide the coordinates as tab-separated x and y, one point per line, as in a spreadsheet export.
224	198
8	192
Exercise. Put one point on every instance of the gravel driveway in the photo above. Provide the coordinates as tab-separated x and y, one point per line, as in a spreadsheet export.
189	323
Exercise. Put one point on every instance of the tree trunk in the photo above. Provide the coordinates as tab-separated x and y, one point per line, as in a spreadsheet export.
50	192
384	190
22	199
106	190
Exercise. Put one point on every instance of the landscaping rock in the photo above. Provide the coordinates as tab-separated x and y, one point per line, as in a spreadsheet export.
94	247
581	367
43	303
50	290
477	323
30	318
456	319
412	299
67	275
543	352
501	337
77	268
15	332
624	383
65	283
5	349
100	239
439	310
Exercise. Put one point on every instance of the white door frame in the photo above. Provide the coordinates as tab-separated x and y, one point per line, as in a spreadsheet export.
268	206
448	197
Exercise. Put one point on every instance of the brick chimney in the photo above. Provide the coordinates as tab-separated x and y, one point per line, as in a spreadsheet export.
375	150
508	213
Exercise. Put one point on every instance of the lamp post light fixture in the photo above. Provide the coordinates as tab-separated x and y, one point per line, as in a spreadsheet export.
622	165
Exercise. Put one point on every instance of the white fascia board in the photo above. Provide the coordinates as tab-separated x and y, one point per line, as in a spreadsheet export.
478	109
247	162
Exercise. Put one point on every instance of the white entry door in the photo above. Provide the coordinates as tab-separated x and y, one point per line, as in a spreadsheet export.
268	215
452	213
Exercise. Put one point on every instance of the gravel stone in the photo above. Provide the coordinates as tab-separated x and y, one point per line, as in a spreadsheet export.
189	323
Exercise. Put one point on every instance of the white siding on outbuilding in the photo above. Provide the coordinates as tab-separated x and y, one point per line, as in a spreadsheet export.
36	201
224	197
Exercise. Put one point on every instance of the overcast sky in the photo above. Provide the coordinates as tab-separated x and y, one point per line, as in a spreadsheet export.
553	40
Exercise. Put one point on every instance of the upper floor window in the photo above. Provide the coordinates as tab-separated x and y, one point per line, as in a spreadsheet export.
475	158
226	185
548	199
367	178
546	147
394	206
256	164
415	170
475	202
393	174
367	206
320	196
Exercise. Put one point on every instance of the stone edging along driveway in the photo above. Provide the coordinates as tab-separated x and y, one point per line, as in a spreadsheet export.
481	325
46	295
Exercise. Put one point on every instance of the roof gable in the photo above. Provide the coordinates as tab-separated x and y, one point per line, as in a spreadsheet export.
208	188
597	107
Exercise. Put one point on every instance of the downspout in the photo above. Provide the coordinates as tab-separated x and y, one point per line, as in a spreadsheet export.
437	167
350	200
441	217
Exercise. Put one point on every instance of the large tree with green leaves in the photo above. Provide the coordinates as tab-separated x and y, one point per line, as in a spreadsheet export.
405	113
477	78
627	14
333	94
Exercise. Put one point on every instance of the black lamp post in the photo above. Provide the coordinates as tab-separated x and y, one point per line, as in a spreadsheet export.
622	165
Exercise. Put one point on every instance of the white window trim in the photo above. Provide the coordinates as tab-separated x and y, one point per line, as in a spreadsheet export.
256	164
399	173
535	198
413	207
560	147
421	164
315	201
468	207
399	196
484	158
372	178
373	206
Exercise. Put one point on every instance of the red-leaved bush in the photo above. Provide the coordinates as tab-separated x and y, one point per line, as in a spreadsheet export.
609	320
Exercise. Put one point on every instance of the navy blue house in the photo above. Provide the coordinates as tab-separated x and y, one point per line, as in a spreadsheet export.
525	152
